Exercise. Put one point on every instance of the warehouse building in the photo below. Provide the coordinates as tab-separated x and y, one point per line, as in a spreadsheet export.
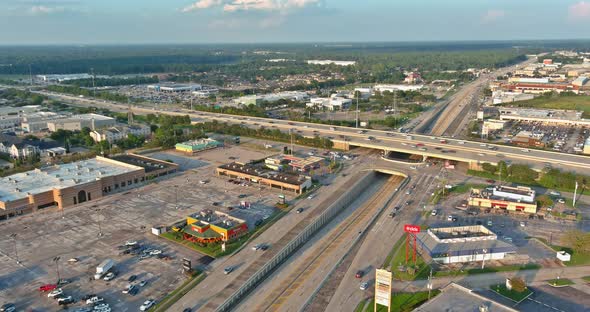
258	173
517	199
549	116
78	122
191	147
213	226
75	183
463	244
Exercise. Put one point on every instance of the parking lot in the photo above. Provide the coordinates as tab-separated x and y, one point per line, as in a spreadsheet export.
93	232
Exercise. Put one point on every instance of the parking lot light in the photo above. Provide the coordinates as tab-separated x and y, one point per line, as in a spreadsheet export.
13	236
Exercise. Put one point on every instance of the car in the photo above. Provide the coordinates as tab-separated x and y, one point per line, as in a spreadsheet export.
128	288
508	239
65	300
8	307
392	214
94	300
555	193
101	306
130	243
47	287
228	270
434	212
359	274
142	283
187	310
450	218
73	260
110	276
408	192
490	223
310	196
132	278
364	286
454	219
88	296
413	167
147	305
409	202
133	291
522	224
478	222
299	210
264	247
55	293
155	252
490	181
256	247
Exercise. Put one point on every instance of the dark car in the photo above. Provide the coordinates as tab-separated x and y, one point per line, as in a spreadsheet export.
8	307
299	210
359	274
133	291
264	247
86	297
187	310
132	278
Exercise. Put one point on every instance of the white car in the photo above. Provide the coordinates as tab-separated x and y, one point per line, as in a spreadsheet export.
522	224
94	300
155	252
130	243
55	293
434	212
310	196
364	286
110	276
73	260
256	247
450	218
69	299
555	193
147	305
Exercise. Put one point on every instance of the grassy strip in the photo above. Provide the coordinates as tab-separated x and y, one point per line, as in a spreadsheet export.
179	292
361	306
586	278
506	268
403	302
577	258
560	282
511	294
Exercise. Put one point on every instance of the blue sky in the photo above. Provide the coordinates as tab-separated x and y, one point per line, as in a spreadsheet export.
251	21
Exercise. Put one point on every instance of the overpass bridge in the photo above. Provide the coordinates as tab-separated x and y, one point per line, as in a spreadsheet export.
472	152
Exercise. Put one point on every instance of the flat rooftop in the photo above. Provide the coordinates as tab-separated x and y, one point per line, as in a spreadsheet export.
469	231
532	113
148	164
454	297
462	244
259	170
18	186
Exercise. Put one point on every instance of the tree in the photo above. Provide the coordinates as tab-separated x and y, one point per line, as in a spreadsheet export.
578	240
544	201
518	284
489	168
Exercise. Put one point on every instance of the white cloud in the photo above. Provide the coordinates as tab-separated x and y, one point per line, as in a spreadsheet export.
579	11
202	4
492	16
251	5
42	9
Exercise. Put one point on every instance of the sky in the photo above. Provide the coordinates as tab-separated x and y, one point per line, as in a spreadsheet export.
266	21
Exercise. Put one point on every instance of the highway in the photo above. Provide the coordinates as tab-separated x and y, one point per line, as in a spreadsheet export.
426	145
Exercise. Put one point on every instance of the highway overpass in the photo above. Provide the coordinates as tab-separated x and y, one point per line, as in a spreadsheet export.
472	152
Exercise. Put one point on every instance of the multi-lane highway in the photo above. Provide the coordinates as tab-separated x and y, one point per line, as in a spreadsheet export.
345	137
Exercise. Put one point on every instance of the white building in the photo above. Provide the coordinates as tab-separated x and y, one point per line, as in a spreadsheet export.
463	244
174	88
396	87
78	122
364	93
62	78
118	133
500	97
330	62
528	80
332	103
205	93
519	193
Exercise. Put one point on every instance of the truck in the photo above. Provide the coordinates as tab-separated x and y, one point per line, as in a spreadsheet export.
103	268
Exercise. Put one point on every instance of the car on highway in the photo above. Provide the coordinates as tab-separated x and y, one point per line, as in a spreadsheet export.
490	181
364	286
392	214
256	247
299	210
228	270
434	212
8	307
359	274
555	193
311	196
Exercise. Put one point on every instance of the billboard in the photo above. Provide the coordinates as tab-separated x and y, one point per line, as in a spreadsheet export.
383	288
410	228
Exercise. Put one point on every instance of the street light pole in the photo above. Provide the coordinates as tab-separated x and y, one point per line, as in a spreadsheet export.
13	236
176	192
56	260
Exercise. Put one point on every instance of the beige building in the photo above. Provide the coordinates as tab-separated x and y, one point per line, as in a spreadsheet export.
78	122
118	133
75	183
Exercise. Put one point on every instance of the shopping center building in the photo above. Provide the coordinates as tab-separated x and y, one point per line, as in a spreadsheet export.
75	183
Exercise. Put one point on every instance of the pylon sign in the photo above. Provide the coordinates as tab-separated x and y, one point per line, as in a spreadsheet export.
411	231
383	288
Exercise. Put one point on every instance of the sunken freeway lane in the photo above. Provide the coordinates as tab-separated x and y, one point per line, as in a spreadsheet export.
429	146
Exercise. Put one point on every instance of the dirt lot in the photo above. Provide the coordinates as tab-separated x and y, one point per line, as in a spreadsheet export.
120	217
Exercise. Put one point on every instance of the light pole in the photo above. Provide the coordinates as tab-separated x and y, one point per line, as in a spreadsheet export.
98	220
13	236
56	260
176	195
483	262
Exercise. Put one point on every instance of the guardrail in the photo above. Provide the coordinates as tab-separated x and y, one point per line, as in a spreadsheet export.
298	241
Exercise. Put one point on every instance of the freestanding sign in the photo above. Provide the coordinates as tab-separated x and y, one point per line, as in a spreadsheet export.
411	231
383	288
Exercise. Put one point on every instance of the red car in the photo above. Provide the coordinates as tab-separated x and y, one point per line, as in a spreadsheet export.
491	181
359	274
420	144
48	287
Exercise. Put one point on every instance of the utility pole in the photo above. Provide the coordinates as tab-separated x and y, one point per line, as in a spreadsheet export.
575	192
395	106
429	286
291	132
357	110
31	74
483	262
93	83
